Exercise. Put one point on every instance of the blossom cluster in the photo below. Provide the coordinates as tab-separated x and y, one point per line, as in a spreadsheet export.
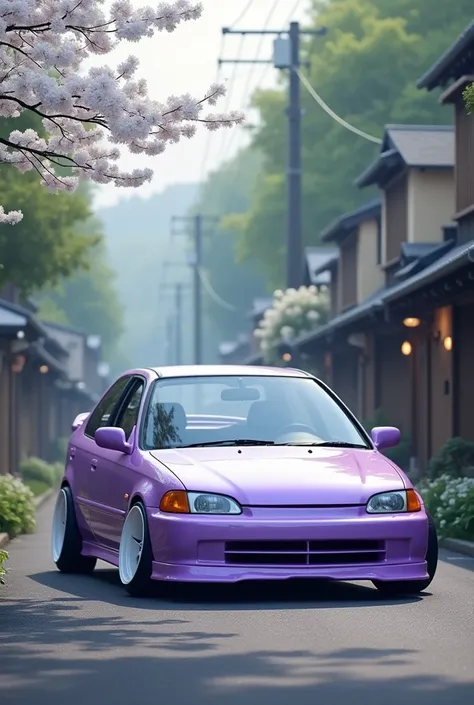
450	501
88	116
293	313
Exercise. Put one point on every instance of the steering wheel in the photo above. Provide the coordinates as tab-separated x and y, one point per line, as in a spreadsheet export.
295	428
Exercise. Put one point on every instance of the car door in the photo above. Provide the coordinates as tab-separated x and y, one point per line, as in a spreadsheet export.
113	479
86	455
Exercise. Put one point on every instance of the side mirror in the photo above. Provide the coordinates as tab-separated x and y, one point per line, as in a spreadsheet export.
79	420
112	438
385	437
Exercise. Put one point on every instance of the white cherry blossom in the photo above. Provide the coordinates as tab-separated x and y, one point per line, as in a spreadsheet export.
88	117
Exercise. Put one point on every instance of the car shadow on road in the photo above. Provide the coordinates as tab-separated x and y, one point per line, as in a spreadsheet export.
57	652
104	585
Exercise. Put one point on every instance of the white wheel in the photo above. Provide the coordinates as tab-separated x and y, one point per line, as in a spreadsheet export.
59	525
131	544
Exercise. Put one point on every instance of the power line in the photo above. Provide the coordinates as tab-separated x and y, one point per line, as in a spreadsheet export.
247	90
331	113
213	293
242	14
287	20
287	56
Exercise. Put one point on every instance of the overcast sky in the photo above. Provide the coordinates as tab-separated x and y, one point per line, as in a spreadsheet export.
186	61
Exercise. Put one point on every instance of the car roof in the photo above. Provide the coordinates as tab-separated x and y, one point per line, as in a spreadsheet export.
227	370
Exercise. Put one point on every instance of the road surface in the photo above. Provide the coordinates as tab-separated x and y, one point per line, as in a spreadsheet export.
76	640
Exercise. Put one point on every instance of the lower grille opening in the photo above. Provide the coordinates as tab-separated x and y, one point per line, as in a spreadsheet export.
309	553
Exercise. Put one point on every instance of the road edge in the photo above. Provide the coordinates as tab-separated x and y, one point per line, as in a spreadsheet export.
465	548
38	501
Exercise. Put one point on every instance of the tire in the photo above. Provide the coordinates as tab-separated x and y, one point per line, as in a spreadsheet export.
415	587
66	540
135	554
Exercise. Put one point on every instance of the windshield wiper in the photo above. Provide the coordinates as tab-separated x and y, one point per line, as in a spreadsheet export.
230	442
328	444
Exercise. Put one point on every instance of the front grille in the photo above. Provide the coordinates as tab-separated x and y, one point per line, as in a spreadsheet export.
309	553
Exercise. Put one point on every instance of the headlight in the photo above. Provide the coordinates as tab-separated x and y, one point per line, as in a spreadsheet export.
182	502
394	502
200	503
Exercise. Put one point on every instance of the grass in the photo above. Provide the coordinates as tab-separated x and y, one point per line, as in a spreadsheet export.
38	487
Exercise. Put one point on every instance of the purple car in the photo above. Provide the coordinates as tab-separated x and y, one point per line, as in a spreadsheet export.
221	474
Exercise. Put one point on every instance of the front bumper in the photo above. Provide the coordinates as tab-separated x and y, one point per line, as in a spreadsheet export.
275	544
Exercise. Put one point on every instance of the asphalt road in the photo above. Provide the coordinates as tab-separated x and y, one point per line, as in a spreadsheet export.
74	640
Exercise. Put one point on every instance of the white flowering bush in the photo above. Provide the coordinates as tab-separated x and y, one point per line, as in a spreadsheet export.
89	114
450	501
3	570
17	508
293	313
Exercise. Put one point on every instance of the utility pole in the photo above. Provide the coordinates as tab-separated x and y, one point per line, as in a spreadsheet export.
175	322
179	322
195	261
169	338
286	55
197	289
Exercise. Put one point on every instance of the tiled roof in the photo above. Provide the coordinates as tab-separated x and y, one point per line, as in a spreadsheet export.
411	146
456	60
423	146
349	221
317	259
11	319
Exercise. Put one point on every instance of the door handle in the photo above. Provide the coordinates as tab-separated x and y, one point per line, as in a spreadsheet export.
93	464
72	453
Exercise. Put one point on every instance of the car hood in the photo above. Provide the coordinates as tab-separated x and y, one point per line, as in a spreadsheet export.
266	476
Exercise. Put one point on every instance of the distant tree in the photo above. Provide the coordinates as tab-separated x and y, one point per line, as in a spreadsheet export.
366	69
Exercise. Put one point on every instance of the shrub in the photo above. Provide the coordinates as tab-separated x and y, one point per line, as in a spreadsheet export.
36	469
58	472
3	570
455	458
17	509
59	450
450	501
401	454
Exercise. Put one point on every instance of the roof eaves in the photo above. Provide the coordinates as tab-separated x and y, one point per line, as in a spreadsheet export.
438	73
372	174
350	220
443	265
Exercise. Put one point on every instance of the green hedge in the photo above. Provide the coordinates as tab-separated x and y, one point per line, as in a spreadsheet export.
450	501
455	458
39	475
17	508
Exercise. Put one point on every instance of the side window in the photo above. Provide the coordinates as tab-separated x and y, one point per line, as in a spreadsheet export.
105	408
128	414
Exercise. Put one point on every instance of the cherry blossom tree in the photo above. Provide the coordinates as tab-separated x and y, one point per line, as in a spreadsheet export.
89	115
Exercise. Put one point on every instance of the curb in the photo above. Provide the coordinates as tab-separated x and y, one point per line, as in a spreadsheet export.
38	501
466	548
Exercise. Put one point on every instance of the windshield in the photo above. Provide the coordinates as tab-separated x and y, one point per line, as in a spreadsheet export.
248	410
